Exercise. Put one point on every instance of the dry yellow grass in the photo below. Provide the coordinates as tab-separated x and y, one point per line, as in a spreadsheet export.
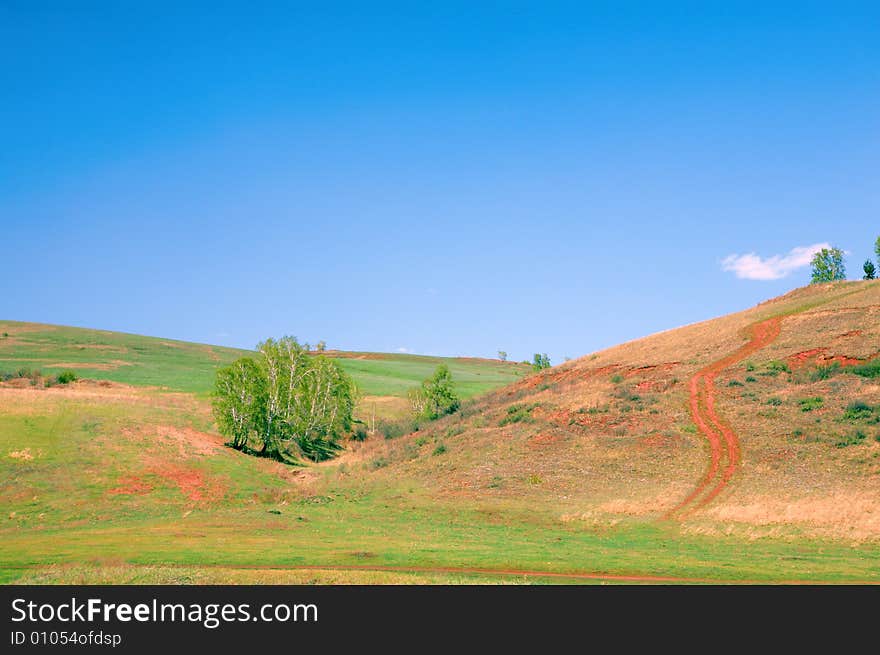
610	434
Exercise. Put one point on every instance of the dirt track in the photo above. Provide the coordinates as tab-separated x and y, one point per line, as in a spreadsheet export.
723	442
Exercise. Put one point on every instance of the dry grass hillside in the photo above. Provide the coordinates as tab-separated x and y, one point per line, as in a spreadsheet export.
615	435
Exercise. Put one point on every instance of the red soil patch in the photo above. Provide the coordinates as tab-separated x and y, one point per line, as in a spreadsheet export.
723	442
818	357
191	482
130	485
641	370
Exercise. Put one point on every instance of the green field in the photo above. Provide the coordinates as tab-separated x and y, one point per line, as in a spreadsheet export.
183	366
64	523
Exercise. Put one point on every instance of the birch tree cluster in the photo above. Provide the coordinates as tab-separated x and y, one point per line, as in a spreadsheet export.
285	404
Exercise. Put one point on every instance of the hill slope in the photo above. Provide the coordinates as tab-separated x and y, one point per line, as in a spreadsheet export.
741	448
184	366
765	420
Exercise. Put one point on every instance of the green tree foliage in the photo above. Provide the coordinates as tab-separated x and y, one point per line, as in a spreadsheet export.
828	266
288	403
66	377
877	249
502	355
540	361
240	401
436	397
870	270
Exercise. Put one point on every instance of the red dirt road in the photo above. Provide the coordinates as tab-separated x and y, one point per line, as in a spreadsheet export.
723	442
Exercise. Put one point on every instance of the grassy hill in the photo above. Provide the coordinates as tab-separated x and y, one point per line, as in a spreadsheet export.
183	366
744	448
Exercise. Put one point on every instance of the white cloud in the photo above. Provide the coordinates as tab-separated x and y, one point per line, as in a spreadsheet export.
753	267
405	351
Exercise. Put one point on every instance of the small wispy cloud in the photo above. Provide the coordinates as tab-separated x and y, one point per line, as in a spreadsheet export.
753	267
405	351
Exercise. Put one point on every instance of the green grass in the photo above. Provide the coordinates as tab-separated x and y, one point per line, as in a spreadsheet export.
394	375
190	367
60	516
810	404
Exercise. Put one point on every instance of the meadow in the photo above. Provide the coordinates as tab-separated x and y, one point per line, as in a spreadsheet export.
571	475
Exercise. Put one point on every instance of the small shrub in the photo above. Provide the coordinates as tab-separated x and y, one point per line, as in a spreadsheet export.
778	366
751	378
809	404
776	402
617	379
379	462
852	439
517	414
399	428
857	411
436	396
627	394
359	434
797	433
66	377
750	366
868	370
825	372
735	383
535	479
439	450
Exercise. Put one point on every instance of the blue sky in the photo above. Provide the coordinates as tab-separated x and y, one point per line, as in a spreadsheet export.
449	178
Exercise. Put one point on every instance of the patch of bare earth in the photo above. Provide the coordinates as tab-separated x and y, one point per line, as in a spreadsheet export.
843	513
130	485
191	482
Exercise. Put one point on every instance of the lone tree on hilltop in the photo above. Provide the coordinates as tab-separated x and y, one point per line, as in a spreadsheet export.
870	270
828	266
877	249
436	397
502	355
540	361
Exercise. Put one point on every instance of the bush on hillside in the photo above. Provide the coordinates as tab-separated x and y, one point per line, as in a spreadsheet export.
436	397
858	410
868	370
66	377
540	361
809	404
